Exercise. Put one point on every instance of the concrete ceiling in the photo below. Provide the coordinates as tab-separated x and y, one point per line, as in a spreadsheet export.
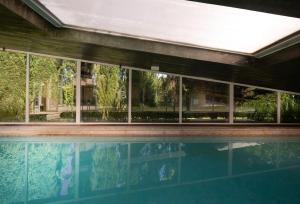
22	29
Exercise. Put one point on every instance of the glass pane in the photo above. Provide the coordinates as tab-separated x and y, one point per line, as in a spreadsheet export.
12	87
290	108
51	172
103	168
104	91
254	105
52	89
204	101
12	173
155	97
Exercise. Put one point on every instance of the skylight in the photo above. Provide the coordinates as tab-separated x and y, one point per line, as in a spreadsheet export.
177	21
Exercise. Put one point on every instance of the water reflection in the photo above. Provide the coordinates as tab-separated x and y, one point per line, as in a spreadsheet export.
150	172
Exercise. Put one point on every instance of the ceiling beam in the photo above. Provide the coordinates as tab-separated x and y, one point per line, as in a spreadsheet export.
20	9
287	54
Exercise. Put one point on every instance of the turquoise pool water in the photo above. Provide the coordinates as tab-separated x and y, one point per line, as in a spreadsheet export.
150	171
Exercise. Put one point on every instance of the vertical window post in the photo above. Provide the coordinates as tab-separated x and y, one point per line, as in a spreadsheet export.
129	95
27	89
278	107
180	99
78	92
231	102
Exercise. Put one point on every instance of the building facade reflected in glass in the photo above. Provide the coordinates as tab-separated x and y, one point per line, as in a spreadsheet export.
204	101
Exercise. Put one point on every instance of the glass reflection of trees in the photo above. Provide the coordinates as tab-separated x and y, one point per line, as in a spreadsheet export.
155	97
12	172
52	89
103	167
12	87
290	108
104	93
112	168
254	105
50	171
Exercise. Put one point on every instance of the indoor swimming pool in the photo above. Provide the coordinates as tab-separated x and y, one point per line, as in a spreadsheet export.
149	170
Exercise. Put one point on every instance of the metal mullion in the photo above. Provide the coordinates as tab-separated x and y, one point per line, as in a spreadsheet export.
278	107
231	103
78	92
180	99
27	109
129	94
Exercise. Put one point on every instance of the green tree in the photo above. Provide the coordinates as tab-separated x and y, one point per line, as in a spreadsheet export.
44	78
108	88
264	106
12	176
290	108
108	166
12	86
46	163
68	75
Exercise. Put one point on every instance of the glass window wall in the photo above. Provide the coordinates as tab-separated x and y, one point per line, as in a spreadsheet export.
104	93
52	89
254	105
155	97
12	87
204	101
290	108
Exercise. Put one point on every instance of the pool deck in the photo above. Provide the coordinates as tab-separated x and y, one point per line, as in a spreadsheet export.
142	130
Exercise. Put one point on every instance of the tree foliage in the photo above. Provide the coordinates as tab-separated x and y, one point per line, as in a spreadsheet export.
12	176
47	163
12	86
109	87
264	106
108	167
290	108
156	90
49	77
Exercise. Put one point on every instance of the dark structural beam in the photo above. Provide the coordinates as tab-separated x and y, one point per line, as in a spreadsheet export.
281	7
26	13
281	56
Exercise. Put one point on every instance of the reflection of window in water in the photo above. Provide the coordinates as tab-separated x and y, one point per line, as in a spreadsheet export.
64	171
166	173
